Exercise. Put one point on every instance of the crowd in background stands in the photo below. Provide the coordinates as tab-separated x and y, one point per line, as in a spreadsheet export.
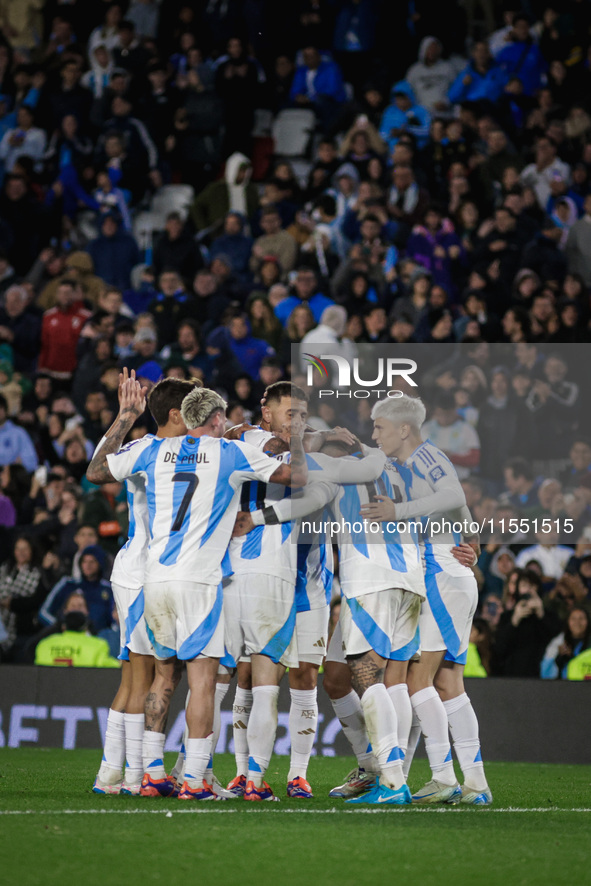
444	196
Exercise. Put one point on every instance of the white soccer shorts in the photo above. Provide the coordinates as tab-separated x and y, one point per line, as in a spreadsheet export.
312	634
132	627
184	618
260	618
385	621
336	647
447	613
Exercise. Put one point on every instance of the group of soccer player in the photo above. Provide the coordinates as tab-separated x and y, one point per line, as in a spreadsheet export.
228	570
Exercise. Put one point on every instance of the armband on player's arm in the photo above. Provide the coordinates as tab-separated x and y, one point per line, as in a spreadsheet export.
266	517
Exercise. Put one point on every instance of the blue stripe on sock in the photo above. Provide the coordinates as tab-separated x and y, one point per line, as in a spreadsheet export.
155	763
395	754
448	758
253	765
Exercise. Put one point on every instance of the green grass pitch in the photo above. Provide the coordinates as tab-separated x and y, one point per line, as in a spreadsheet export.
53	830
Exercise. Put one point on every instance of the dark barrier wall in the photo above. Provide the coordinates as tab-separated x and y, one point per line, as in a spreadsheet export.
520	720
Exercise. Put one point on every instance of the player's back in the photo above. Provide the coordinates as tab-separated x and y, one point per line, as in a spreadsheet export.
266	549
192	488
376	556
130	563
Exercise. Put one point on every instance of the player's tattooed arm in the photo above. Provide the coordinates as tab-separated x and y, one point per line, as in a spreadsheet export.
132	402
315	440
366	670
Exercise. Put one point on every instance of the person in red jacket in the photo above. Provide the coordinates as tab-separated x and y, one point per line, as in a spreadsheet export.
60	331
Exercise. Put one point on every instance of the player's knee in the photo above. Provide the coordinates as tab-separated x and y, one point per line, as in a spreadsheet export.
304	677
336	680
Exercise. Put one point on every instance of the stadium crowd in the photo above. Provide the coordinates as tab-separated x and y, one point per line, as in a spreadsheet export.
443	197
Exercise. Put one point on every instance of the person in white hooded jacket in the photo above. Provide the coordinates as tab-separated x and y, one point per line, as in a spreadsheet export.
431	76
234	192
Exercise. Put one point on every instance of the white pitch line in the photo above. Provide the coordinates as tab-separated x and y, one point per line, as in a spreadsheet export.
209	810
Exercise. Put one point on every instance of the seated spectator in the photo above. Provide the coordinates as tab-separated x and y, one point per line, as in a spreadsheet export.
176	249
95	590
145	347
431	76
20	327
578	246
454	436
74	646
522	57
106	510
263	322
304	292
234	243
21	593
273	241
188	349
404	115
235	193
114	252
110	198
60	331
575	638
235	341
330	331
318	83
324	167
26	140
580	464
171	305
15	443
523	632
482	80
552	557
521	484
435	245
547	165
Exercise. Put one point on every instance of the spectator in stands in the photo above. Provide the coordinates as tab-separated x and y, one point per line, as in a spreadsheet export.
578	245
74	646
235	244
404	115
430	77
305	291
235	341
60	331
21	594
235	193
544	170
481	81
20	327
176	249
25	139
522	57
524	631
453	435
273	241
318	83
580	464
552	557
114	252
91	585
575	638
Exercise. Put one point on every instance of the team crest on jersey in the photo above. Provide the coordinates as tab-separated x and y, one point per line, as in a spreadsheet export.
436	473
190	441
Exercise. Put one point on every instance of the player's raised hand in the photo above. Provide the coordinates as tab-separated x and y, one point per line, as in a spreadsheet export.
243	524
123	376
381	509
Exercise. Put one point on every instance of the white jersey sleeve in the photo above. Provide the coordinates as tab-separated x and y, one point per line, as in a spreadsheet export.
124	464
431	465
348	470
255	465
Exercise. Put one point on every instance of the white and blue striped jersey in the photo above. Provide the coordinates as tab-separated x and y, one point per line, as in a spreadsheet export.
193	489
130	562
436	493
390	557
267	550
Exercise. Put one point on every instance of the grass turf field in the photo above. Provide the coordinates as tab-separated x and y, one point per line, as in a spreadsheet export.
53	830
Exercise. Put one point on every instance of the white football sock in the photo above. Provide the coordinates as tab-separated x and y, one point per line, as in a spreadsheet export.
463	725
430	713
350	714
221	690
380	721
134	736
114	748
413	742
240	716
402	706
262	728
303	722
153	754
197	754
179	767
